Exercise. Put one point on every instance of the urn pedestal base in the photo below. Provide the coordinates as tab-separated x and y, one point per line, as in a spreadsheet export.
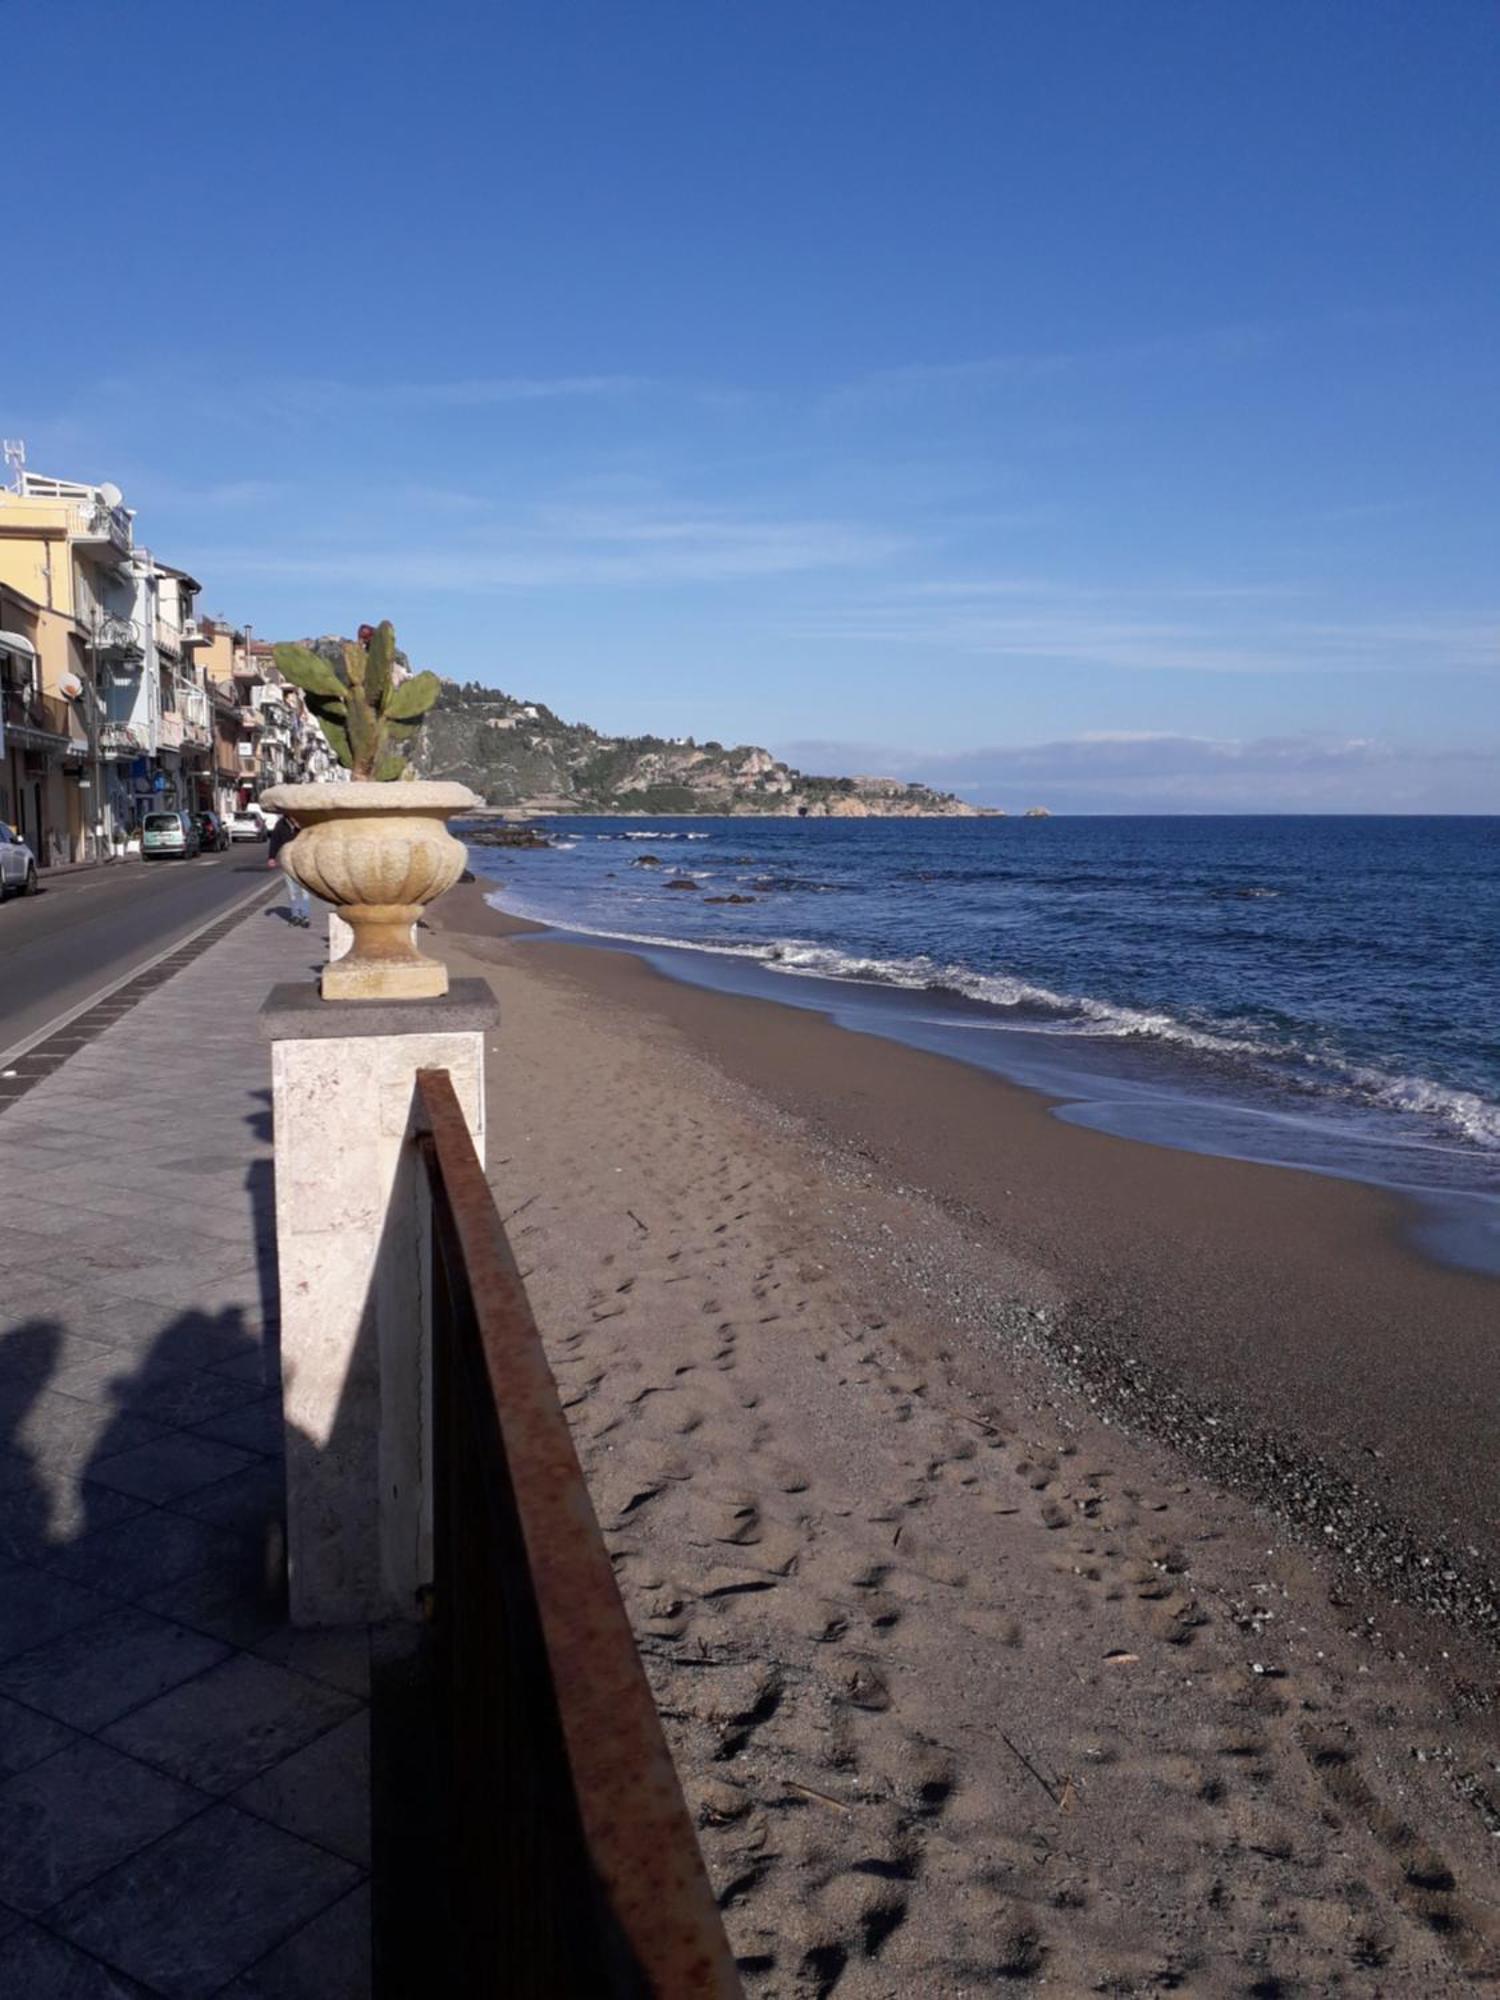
357	979
384	962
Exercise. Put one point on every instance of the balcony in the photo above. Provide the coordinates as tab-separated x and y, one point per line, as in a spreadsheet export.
119	639
170	730
169	641
38	721
125	739
105	531
194	634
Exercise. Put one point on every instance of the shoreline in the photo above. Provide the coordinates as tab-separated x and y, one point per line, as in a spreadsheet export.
1155	1093
1271	1324
969	1684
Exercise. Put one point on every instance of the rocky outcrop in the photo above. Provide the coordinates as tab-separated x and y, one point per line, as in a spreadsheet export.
520	754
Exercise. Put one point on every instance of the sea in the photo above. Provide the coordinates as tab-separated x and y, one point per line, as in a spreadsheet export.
1317	992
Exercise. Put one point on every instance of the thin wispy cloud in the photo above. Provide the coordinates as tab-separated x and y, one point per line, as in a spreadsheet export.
558	545
920	378
1179	347
475	393
1161	771
1239	629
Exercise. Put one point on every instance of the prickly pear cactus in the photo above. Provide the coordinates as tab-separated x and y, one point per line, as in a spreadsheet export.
368	717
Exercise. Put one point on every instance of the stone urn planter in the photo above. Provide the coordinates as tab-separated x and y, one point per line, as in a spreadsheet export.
379	852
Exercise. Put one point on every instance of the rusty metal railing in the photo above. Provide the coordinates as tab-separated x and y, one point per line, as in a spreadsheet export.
574	1872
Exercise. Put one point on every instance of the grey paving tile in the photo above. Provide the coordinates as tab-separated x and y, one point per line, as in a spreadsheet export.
329	1960
17	1469
119	1376
142	1554
66	1820
196	1398
339	1655
86	1258
178	1290
206	1903
230	1724
257	1426
186	1340
36	1606
55	1218
241	1609
256	1364
249	1502
113	1322
41	1360
26	1738
27	1296
60	1430
94	1673
34	1965
321	1793
170	1467
34	1523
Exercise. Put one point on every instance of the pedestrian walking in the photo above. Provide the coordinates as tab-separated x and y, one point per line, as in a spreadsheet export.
282	836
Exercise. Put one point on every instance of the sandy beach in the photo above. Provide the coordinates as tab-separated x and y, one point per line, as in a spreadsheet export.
1059	1562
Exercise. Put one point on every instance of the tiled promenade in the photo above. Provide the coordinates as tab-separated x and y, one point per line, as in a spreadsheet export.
184	1791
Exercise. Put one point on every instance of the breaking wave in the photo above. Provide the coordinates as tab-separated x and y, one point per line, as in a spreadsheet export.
1023	1006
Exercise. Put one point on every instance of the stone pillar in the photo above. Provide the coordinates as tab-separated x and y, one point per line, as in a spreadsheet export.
353	1254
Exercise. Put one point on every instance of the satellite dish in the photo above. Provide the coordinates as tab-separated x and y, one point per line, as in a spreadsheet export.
110	494
70	687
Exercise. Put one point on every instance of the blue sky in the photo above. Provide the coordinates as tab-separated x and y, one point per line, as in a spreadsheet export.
1073	400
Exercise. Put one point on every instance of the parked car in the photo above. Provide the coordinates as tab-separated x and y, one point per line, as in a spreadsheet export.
212	832
168	833
17	864
247	824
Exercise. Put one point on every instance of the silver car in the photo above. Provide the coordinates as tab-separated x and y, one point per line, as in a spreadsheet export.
17	865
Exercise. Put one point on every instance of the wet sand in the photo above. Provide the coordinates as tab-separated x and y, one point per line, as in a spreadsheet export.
971	1682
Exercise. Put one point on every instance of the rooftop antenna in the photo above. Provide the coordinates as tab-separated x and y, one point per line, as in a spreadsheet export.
15	458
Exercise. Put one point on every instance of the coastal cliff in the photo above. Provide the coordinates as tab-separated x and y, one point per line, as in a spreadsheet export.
520	754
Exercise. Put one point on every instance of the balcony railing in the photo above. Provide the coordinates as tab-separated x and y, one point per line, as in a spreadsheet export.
120	637
107	528
130	736
28	714
569	1857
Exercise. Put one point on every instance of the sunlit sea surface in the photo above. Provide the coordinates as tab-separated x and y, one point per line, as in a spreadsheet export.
1315	991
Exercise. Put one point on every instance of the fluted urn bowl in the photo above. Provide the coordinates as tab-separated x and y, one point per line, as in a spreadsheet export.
379	853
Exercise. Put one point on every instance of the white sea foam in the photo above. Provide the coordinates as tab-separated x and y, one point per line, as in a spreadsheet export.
1025	1007
1461	1111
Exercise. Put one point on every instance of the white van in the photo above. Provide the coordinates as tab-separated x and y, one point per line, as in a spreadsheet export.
167	833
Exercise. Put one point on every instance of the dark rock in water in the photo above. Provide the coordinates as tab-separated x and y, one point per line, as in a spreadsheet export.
722	899
680	882
646	861
506	836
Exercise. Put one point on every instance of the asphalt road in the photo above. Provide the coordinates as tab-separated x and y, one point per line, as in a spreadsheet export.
82	932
